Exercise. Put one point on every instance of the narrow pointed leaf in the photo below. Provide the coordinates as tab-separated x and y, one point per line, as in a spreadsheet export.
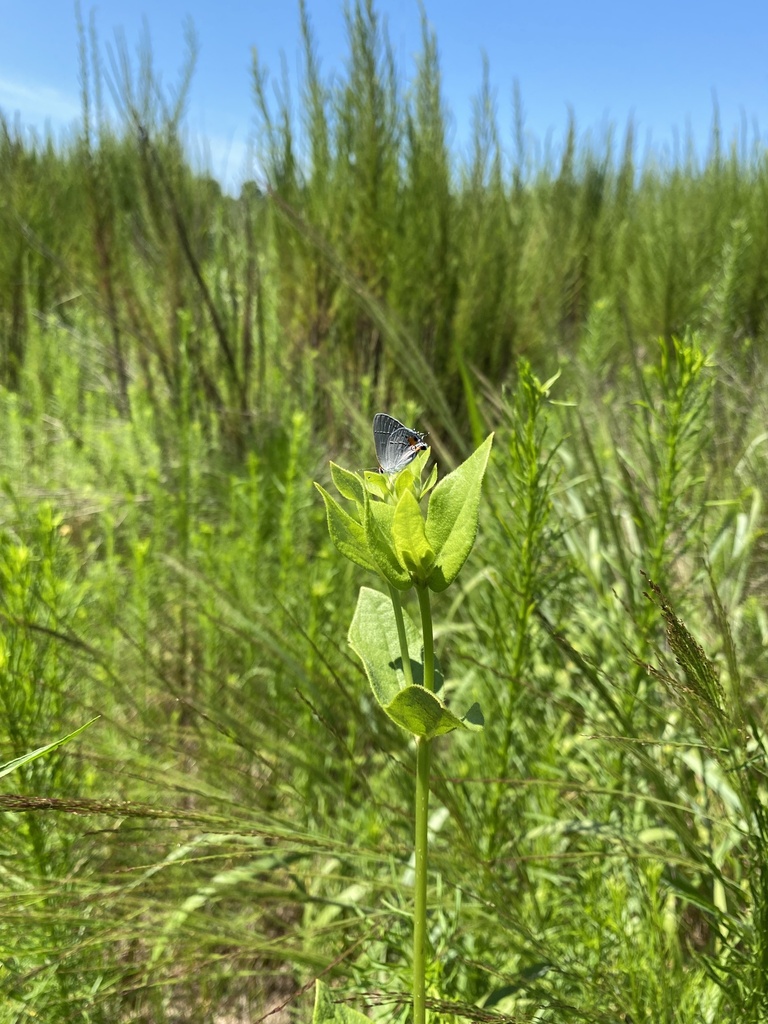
431	481
17	762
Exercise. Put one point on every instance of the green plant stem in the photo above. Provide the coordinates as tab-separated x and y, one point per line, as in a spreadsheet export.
423	746
420	881
404	653
426	633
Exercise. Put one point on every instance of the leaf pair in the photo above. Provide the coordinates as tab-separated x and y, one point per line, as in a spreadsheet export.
373	636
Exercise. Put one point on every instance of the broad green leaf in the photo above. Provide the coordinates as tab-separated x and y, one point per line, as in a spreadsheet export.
348	484
17	762
346	533
377	520
373	637
422	713
452	516
328	1012
373	620
411	545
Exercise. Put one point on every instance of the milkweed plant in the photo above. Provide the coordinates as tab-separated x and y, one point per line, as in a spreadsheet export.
413	534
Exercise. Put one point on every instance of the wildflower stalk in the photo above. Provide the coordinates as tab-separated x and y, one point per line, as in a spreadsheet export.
400	623
388	533
423	745
423	751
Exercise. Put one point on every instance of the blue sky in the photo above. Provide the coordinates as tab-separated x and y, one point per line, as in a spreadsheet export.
661	63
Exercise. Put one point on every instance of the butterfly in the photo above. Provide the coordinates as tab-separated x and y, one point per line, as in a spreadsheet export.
396	444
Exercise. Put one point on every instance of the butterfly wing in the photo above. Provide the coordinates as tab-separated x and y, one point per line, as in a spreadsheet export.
396	444
383	428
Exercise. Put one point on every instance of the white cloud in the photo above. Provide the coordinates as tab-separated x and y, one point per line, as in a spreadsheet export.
37	104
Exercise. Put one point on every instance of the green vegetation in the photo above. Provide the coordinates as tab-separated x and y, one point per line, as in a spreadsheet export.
178	366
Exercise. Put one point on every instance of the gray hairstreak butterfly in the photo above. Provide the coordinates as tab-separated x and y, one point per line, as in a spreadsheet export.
396	445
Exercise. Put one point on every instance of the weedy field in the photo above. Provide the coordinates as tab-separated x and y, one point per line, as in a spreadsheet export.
177	368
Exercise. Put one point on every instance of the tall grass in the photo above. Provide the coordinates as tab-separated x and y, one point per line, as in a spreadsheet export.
177	365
